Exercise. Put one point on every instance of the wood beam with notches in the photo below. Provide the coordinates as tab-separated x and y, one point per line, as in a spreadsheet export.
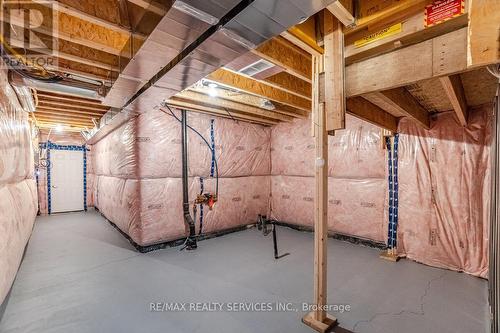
280	53
443	55
218	112
251	100
400	101
199	98
455	91
364	109
250	86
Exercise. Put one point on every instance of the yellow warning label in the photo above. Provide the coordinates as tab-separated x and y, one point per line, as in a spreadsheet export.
389	31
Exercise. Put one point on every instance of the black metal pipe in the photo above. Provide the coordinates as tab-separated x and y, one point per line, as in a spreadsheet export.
191	239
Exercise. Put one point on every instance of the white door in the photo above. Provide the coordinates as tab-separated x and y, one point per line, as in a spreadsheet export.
66	177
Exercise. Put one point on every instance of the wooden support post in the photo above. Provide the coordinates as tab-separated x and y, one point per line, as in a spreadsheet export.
318	319
335	98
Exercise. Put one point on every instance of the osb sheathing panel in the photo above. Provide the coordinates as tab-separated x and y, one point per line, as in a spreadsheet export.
63	24
480	86
80	50
96	33
431	95
108	10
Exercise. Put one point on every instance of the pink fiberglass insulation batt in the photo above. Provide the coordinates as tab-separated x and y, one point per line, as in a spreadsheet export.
138	184
357	178
444	180
18	205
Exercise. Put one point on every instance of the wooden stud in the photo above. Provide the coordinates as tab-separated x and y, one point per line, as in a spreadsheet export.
318	319
334	72
400	101
363	109
248	85
455	91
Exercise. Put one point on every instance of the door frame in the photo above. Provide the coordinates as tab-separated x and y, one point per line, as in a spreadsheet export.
83	148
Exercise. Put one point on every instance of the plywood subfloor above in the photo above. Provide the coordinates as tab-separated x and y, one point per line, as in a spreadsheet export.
479	87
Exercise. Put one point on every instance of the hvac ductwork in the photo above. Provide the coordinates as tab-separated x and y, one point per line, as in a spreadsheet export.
65	86
186	46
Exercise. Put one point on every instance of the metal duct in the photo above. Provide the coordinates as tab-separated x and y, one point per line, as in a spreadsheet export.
66	86
25	97
170	69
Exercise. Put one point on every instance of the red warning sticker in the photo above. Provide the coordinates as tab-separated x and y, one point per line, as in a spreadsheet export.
443	10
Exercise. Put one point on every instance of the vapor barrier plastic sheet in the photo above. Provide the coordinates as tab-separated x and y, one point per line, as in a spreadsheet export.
444	182
357	178
138	182
17	185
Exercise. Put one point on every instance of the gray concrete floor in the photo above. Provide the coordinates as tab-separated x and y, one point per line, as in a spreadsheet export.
81	275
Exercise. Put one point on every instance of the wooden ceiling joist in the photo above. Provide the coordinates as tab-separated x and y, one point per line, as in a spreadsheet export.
248	85
64	120
278	52
455	91
68	115
195	97
219	112
75	105
363	109
50	95
150	5
291	84
252	100
400	101
45	109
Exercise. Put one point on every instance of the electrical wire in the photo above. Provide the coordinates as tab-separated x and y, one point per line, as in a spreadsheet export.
208	145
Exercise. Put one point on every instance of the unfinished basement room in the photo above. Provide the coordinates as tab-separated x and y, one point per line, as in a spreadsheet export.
250	166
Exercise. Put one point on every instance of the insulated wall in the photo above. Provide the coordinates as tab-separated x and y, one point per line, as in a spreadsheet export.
138	183
17	184
357	180
444	192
